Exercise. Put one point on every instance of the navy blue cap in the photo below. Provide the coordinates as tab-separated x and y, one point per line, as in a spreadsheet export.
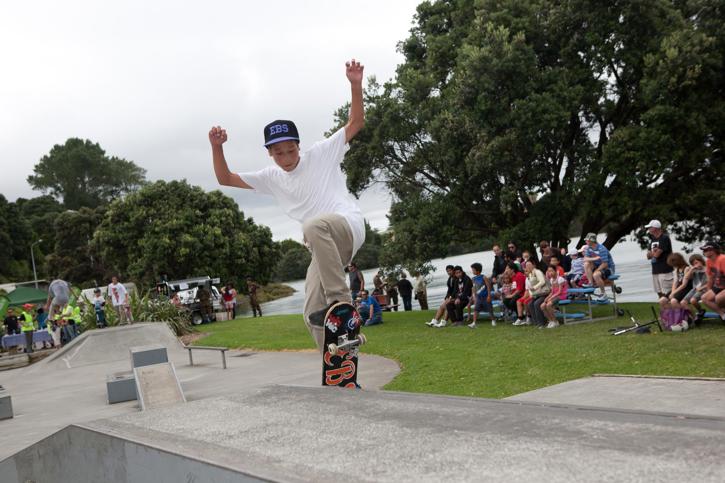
278	131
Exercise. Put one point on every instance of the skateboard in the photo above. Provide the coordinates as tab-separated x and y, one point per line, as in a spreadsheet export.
342	344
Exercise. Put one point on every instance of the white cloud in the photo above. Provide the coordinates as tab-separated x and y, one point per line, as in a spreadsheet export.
146	80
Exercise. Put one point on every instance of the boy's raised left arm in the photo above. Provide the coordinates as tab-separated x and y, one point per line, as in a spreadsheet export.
356	121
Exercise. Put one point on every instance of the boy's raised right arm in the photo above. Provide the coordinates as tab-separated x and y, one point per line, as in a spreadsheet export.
217	137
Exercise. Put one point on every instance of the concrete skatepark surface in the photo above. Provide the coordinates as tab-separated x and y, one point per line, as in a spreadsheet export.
292	433
267	418
70	386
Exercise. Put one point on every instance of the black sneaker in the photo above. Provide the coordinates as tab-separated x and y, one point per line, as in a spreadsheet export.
318	318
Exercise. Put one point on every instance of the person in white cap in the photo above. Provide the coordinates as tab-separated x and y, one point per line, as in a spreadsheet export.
660	249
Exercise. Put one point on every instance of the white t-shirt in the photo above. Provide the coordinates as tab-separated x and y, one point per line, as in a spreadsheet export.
117	292
316	186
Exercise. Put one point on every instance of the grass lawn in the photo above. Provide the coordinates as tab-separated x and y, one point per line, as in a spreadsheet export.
500	361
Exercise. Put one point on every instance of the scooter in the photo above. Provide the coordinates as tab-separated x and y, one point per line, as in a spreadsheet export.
636	325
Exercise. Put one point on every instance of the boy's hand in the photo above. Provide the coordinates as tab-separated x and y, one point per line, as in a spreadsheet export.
354	71
217	136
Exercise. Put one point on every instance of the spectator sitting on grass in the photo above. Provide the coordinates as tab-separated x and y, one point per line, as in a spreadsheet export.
369	309
482	295
697	275
463	290
577	268
438	319
714	296
681	285
559	291
598	264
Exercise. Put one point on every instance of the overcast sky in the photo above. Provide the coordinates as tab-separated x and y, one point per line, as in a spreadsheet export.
147	79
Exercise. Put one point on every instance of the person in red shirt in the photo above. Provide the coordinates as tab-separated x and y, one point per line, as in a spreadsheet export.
714	296
518	285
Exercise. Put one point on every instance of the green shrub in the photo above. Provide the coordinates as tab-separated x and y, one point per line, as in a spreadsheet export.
144	309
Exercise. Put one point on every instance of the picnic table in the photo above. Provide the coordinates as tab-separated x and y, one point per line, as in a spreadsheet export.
15	340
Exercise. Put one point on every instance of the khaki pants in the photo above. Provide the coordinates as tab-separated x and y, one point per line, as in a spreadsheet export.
330	241
422	298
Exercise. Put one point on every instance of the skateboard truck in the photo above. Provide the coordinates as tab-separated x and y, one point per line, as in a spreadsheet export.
344	344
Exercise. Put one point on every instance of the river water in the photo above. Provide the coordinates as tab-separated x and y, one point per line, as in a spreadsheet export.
630	260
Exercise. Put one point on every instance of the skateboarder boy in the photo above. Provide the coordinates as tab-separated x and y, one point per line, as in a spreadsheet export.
310	187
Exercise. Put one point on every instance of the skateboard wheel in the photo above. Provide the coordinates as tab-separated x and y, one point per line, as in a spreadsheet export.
362	338
332	349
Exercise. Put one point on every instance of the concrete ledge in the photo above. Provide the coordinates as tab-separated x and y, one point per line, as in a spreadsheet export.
644	376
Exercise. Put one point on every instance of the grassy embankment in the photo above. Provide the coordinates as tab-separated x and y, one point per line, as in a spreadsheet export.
499	361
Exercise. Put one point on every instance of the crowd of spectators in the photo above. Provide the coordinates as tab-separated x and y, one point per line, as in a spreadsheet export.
530	285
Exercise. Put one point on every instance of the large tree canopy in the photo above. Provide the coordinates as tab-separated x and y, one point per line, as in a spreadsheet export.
178	230
80	174
16	237
534	118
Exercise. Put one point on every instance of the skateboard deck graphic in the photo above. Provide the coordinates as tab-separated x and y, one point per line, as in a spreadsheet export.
342	344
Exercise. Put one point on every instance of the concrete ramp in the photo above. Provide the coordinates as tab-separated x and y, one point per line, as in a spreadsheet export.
157	386
286	433
108	345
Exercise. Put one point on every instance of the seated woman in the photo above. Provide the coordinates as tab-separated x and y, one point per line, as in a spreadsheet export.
681	285
559	291
369	309
698	276
538	292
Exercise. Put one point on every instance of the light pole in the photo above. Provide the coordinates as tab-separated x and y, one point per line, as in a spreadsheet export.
32	257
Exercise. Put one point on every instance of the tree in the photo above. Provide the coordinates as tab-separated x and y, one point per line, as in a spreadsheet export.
15	239
293	261
369	254
80	174
73	258
40	213
179	230
526	119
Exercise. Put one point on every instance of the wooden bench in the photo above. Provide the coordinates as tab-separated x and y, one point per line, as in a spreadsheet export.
223	350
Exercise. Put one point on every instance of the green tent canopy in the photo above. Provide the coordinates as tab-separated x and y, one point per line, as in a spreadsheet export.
27	295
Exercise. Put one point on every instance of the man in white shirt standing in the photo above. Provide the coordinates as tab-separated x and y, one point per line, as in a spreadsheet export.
311	188
119	299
